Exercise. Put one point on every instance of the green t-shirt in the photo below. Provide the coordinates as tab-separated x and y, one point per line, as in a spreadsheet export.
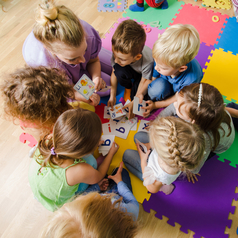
49	185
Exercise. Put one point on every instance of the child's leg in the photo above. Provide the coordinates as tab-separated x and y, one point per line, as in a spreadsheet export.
138	7
105	60
92	161
160	89
131	160
142	136
106	68
125	178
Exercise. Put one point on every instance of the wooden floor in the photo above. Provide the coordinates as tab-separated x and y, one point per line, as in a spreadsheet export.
21	215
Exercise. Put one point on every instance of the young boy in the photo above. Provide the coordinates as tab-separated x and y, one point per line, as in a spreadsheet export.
132	62
175	66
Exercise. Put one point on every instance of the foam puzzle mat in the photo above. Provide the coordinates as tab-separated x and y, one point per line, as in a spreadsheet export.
202	207
112	5
206	206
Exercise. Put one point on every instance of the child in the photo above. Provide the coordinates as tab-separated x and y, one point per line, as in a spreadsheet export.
59	39
95	215
59	166
203	105
232	108
178	146
139	6
132	61
175	66
36	97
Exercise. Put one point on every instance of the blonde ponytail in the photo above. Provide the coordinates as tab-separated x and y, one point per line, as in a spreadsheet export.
47	11
57	23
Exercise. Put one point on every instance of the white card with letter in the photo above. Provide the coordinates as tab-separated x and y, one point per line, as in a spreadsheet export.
85	86
137	107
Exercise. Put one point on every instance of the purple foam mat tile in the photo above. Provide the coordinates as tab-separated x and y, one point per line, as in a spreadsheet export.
112	5
203	54
202	207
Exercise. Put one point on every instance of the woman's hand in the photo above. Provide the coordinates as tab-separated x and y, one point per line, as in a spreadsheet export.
99	83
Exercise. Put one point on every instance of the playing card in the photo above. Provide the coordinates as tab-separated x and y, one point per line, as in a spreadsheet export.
121	130
106	113
104	89
143	125
142	146
117	111
108	140
137	107
107	128
85	86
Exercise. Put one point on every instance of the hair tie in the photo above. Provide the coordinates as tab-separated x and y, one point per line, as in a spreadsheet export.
52	150
200	95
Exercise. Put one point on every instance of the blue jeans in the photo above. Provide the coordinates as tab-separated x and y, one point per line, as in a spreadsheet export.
92	161
125	178
131	158
235	120
160	89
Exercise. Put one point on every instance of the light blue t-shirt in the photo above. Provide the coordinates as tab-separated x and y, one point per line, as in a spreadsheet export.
193	74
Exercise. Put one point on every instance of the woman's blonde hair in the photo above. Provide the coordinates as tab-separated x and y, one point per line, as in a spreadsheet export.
177	46
179	143
91	216
76	133
57	23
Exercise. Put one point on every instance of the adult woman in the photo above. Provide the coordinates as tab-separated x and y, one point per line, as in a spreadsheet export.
60	39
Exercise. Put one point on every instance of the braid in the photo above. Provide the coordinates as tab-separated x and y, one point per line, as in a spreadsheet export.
180	144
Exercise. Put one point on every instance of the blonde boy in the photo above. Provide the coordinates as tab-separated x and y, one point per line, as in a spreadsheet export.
132	61
175	66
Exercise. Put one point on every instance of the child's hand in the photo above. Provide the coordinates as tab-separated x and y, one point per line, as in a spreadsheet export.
130	109
111	102
99	83
114	148
103	184
192	177
143	156
117	177
150	107
94	99
141	97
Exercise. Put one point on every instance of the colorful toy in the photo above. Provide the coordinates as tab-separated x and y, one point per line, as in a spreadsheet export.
24	137
112	5
139	6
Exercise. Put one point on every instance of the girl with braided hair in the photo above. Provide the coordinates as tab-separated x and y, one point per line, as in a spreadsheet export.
203	105
177	146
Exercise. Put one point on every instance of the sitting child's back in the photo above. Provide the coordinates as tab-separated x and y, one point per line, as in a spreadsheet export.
63	162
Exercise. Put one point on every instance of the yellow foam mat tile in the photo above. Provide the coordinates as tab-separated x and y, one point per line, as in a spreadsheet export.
220	4
221	72
140	192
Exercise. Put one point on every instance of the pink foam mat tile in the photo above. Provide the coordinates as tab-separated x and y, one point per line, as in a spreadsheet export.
202	20
151	34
